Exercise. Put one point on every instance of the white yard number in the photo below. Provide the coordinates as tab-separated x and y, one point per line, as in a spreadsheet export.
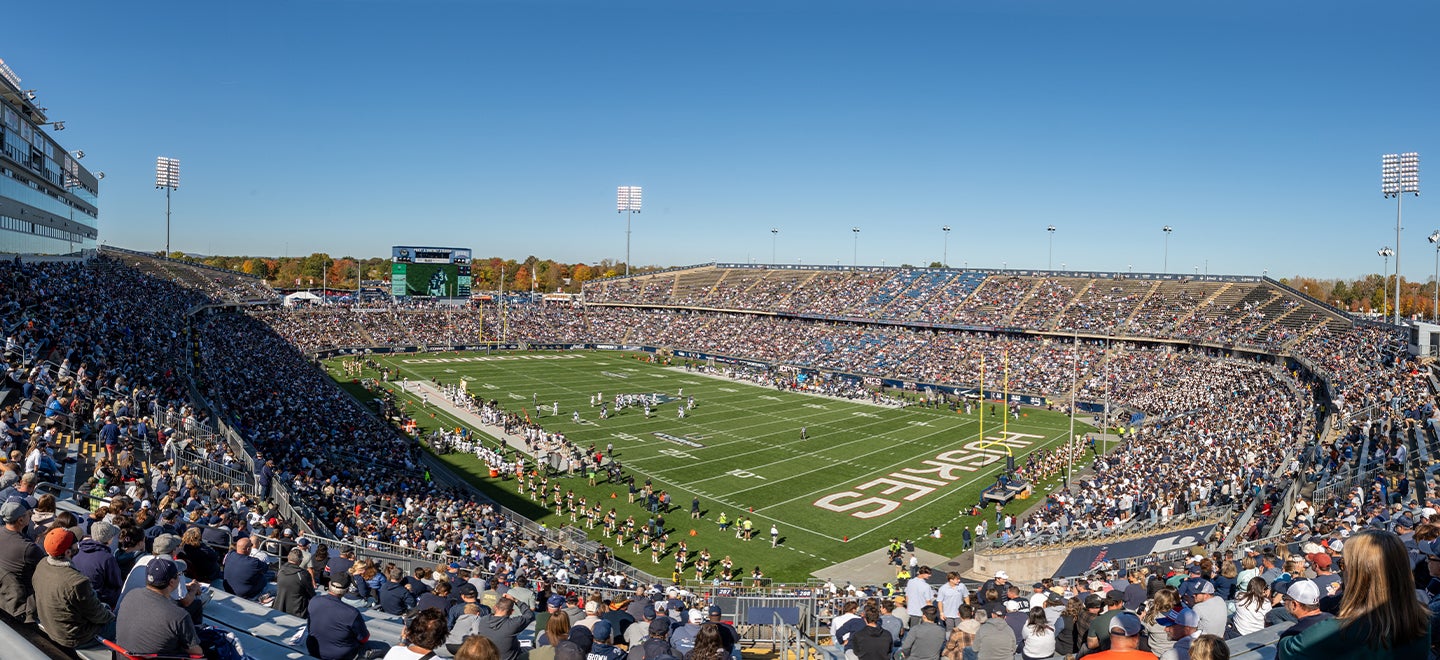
626	437
744	474
677	453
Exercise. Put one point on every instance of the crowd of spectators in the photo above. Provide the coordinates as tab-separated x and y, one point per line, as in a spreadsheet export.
1210	457
1242	313
1224	429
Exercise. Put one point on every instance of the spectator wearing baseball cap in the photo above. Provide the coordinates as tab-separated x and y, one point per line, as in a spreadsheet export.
149	621
998	583
1303	602
1182	626
601	648
1125	630
166	546
65	602
336	630
592	614
18	558
552	604
1325	573
682	640
729	637
467	593
637	633
1097	636
1213	612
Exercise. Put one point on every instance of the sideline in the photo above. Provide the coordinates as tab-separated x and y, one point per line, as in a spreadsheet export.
751	383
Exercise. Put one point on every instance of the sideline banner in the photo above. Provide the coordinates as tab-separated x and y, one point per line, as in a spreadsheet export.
1082	560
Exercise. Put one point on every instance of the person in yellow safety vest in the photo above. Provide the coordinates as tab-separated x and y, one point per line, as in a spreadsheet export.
723	521
749	528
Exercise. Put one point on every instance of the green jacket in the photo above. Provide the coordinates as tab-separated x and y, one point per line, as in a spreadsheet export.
1329	640
66	604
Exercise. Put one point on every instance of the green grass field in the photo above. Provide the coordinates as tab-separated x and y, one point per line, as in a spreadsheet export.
864	475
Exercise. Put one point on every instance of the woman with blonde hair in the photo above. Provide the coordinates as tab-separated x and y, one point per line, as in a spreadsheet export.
1380	616
1248	569
1209	647
1164	601
478	647
557	630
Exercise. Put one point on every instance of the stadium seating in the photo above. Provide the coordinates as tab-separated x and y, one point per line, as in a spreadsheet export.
1178	387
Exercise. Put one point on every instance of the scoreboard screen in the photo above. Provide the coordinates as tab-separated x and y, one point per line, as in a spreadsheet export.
429	272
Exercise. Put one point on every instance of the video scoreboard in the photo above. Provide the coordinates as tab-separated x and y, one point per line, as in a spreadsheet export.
429	272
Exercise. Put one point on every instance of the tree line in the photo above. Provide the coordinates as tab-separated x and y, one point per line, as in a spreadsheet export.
317	269
1371	293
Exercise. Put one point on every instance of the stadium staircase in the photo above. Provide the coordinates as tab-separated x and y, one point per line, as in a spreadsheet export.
969	284
1059	316
1145	299
1208	302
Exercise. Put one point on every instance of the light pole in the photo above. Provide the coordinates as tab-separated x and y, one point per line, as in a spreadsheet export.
1051	261
1399	174
1074	383
167	176
774	236
1435	240
627	201
1385	253
945	251
855	249
1165	265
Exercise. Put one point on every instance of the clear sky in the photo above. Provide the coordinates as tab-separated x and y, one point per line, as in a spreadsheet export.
1254	129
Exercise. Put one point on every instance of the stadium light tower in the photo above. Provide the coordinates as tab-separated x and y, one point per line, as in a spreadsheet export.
1049	263
167	176
1435	240
774	236
1399	174
945	251
1165	264
627	201
855	250
1385	253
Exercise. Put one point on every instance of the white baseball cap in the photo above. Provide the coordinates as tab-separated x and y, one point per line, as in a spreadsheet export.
1304	591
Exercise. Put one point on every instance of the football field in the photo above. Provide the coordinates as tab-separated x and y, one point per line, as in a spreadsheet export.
861	475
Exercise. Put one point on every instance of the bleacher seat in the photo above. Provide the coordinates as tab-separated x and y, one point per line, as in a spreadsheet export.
274	627
18	648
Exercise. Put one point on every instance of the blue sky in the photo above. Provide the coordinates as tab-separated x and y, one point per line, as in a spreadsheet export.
345	126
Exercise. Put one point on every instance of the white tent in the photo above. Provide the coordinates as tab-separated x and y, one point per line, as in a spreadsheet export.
300	297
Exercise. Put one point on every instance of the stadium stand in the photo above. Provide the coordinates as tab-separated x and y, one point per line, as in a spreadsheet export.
101	340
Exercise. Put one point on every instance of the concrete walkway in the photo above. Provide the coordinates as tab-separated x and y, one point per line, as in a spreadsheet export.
438	401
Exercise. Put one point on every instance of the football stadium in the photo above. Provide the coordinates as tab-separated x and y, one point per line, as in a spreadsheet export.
436	454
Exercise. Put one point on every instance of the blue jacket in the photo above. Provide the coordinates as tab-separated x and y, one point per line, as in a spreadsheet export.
395	598
97	562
